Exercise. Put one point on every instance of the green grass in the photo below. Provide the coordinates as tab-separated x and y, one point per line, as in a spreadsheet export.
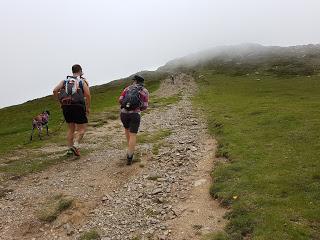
157	146
54	207
153	137
154	177
270	131
216	236
136	238
30	164
34	162
157	139
90	235
164	101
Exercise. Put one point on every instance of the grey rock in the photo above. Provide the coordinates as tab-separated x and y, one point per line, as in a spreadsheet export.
157	191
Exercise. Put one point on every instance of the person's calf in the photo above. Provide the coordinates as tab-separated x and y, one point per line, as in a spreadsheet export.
78	139
132	142
81	129
70	139
126	132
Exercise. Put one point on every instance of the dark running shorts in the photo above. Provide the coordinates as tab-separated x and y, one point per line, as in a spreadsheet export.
131	121
75	114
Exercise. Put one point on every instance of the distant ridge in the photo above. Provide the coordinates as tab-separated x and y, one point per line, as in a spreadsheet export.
255	55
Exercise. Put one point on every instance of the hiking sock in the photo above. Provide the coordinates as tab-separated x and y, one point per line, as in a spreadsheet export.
76	144
129	154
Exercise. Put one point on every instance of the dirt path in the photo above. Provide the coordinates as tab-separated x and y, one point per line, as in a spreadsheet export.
163	196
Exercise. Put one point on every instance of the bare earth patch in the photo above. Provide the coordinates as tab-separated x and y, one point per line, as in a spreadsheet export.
199	214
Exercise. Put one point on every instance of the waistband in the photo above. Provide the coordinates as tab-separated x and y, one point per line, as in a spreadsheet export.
123	110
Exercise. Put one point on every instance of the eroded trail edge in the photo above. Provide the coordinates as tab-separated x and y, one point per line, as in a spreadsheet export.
164	195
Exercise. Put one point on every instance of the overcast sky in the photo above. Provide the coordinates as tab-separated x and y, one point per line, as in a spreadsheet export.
42	39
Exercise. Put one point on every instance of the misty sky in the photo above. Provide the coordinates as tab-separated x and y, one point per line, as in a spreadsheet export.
41	39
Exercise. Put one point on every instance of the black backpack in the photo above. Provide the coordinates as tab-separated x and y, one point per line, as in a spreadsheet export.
131	100
72	92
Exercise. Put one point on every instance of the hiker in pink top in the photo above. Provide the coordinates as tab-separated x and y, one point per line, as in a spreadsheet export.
133	100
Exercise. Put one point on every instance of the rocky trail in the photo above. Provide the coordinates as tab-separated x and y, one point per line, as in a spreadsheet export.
163	195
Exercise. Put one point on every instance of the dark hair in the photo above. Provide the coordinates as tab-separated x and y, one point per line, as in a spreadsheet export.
76	68
138	79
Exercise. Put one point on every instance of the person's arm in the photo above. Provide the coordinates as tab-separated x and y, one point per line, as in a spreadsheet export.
57	88
145	99
87	95
123	94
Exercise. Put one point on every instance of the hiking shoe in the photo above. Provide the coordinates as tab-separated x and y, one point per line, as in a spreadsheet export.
69	152
129	160
75	151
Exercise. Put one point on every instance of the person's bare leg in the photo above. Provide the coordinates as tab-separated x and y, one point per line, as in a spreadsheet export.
132	143
81	129
126	132
70	134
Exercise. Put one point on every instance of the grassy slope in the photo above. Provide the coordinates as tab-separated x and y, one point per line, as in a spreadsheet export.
269	130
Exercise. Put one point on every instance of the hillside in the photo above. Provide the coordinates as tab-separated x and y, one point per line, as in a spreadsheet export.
250	58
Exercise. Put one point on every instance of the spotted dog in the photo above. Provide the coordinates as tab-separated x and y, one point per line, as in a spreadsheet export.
39	122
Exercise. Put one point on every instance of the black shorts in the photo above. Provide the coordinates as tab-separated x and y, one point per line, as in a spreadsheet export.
75	114
131	121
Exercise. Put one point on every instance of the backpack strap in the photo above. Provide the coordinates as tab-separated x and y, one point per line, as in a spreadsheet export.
81	85
65	81
80	82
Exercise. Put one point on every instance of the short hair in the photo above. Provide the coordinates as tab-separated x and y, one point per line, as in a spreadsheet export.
76	68
138	79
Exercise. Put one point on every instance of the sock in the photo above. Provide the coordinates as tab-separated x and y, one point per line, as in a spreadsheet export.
130	154
76	144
